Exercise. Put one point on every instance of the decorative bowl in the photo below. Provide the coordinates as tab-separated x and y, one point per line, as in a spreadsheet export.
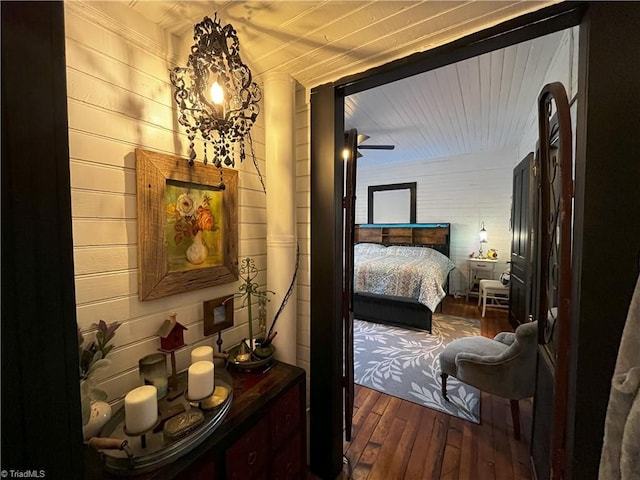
254	362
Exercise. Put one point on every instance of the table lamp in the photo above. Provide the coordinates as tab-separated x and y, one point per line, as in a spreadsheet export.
483	239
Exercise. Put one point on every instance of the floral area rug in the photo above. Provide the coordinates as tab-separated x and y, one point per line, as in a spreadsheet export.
405	364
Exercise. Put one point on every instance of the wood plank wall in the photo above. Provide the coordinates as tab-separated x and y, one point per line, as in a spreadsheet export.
563	68
464	191
120	98
469	189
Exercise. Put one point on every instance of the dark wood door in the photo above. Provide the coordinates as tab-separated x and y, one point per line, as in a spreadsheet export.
38	308
521	222
350	156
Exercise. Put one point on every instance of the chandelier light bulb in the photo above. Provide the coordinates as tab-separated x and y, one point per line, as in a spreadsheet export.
217	94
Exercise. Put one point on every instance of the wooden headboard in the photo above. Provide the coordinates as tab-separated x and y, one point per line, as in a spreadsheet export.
432	235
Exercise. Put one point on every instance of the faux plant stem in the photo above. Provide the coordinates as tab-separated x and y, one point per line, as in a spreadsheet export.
288	294
250	320
248	288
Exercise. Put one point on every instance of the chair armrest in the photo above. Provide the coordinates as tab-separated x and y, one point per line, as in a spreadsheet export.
476	360
503	375
505	337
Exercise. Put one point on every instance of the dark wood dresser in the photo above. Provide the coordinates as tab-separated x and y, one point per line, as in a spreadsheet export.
263	436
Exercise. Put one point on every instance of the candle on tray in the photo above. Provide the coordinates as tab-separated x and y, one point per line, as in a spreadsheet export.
202	354
153	371
141	409
161	384
200	380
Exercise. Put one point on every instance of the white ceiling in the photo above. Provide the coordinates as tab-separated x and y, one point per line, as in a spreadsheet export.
484	103
478	104
321	41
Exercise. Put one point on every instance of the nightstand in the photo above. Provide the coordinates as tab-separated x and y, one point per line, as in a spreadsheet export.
479	268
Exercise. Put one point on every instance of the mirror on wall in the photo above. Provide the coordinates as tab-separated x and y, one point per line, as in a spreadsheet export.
394	203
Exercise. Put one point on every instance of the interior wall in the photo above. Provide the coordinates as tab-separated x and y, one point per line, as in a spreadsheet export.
563	68
119	99
464	191
479	188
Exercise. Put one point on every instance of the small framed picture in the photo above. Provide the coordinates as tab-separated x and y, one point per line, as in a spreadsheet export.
218	314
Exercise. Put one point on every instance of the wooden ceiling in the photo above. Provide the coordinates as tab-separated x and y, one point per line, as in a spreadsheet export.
479	104
485	103
321	41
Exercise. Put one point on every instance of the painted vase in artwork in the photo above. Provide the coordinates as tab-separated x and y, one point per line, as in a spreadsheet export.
193	234
197	251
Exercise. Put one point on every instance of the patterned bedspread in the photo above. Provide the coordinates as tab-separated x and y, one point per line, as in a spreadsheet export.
414	272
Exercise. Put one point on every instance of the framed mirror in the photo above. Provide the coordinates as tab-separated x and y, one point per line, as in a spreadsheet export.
394	203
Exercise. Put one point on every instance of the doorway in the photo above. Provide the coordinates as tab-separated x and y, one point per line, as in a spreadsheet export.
327	180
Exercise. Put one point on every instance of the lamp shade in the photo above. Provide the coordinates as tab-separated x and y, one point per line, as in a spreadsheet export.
483	234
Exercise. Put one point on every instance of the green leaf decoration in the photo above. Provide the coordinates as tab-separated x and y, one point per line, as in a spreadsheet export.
92	358
98	394
102	363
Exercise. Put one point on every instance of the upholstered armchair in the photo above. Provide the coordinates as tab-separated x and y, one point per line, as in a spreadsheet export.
503	366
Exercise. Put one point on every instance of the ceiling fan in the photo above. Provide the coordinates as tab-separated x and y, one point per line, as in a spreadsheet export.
363	138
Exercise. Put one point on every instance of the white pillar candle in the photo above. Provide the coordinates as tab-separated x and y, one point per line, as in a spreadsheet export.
141	409
200	380
202	354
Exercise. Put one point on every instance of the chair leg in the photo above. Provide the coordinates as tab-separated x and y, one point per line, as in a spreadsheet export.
515	416
484	303
444	376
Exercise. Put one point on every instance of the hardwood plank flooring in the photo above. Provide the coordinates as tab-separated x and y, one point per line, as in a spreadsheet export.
395	439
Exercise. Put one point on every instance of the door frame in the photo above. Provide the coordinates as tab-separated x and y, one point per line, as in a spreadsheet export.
40	383
327	180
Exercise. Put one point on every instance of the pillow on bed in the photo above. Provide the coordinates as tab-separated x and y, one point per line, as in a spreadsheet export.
367	249
408	251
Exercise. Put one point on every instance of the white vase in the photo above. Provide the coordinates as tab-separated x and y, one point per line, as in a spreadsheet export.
100	414
197	251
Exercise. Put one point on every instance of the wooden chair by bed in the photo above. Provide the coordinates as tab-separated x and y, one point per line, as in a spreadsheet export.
400	311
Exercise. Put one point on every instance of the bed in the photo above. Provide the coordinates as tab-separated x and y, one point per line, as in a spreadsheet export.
400	272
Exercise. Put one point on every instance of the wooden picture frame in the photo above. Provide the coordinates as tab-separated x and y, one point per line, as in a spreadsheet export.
218	314
167	189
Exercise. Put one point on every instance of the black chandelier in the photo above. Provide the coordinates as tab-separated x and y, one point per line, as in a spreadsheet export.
215	94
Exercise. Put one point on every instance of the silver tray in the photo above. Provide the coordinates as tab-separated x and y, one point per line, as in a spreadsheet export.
160	451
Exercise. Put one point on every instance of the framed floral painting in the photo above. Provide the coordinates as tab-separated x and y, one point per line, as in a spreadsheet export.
187	225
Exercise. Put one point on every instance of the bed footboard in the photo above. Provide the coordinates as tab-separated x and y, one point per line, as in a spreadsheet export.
400	311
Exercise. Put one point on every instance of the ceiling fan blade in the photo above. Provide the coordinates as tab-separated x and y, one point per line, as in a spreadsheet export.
362	138
377	147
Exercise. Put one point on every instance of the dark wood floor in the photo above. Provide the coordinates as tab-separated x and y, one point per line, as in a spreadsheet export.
396	439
